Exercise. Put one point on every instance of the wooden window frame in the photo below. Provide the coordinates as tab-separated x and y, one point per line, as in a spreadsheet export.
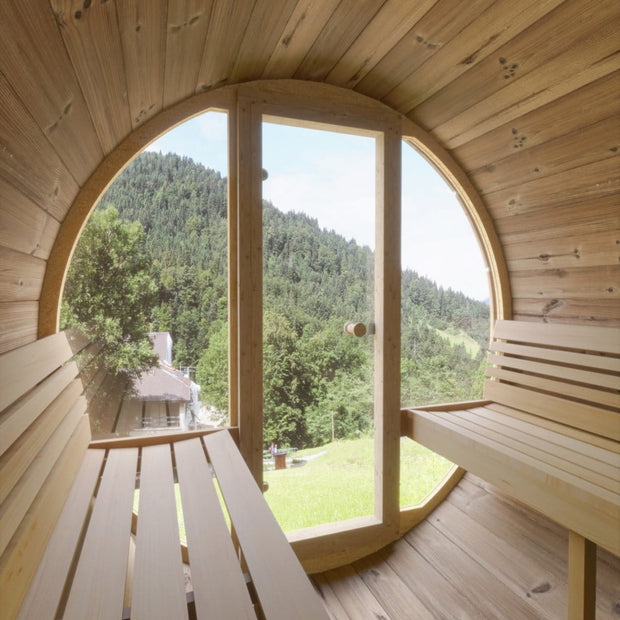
313	105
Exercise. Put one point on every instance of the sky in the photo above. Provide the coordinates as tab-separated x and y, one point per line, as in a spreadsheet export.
330	176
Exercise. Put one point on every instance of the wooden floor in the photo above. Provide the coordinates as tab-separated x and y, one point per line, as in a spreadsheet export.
478	555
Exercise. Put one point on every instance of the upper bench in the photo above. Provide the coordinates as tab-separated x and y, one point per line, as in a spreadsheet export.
548	429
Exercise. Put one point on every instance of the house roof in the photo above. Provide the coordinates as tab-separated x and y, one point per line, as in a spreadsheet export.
163	383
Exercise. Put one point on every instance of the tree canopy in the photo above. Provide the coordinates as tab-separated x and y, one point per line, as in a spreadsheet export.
109	292
313	281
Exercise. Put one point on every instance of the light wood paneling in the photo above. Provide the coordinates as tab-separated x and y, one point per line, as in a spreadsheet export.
27	159
575	283
19	320
483	31
559	251
304	25
187	28
335	38
585	183
25	227
391	23
572	311
92	39
21	276
510	80
569	152
597	100
142	26
259	41
437	26
228	23
46	81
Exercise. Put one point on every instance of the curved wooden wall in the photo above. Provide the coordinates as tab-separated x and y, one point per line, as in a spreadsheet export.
523	95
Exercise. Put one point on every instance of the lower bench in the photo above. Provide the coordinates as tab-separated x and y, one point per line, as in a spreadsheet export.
94	567
547	434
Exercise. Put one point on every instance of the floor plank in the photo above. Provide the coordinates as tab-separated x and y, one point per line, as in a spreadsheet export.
478	555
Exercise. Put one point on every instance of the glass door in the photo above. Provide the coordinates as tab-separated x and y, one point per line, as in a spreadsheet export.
318	323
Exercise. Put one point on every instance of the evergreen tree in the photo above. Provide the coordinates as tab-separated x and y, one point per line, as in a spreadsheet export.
109	292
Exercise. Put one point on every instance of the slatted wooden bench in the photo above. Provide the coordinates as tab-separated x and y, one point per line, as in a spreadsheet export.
547	433
72	545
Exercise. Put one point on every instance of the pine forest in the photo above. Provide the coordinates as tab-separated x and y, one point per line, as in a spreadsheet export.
317	381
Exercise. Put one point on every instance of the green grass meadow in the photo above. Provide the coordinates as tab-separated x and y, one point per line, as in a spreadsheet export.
336	483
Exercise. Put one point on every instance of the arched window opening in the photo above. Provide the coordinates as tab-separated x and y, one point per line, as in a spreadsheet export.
148	282
445	311
255	273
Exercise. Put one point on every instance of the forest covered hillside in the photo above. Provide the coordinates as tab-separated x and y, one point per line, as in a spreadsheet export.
314	281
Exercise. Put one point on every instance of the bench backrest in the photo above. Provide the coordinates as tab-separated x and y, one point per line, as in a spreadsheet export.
569	374
44	434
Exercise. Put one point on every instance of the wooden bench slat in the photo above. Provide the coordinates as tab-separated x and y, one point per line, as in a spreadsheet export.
588	360
99	582
48	583
580	337
601	474
17	418
569	505
16	460
19	562
18	502
578	434
580	415
219	588
560	371
22	368
158	584
565	389
282	586
575	448
529	458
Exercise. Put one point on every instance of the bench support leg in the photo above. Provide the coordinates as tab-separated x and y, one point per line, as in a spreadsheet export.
581	577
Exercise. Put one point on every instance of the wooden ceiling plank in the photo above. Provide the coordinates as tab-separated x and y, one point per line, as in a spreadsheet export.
229	20
571	151
91	35
497	25
520	79
303	27
264	32
548	38
28	160
21	276
580	108
19	320
393	21
347	22
188	24
559	251
586	182
420	45
566	310
576	283
43	78
602	212
24	226
142	25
